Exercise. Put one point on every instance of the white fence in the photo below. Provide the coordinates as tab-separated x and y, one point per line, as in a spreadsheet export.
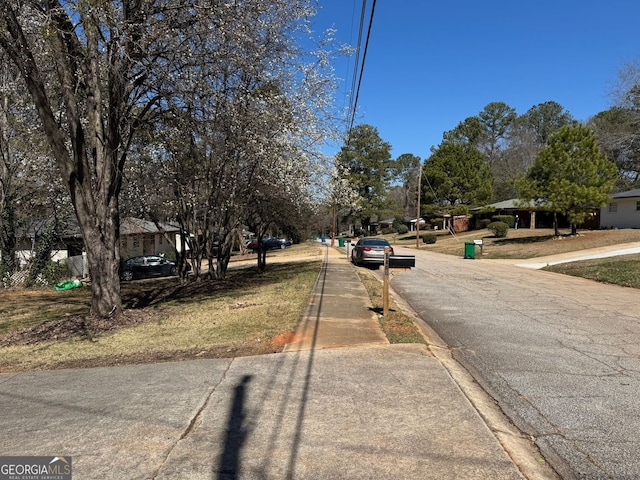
77	266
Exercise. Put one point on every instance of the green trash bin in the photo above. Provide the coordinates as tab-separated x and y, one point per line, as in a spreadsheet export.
469	250
341	241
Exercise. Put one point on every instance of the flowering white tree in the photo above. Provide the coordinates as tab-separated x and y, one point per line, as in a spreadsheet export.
244	123
222	87
93	71
341	193
29	190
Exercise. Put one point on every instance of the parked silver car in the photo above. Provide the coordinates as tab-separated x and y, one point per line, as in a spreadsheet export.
370	251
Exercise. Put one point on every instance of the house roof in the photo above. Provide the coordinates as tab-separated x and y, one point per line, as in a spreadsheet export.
138	226
128	226
628	194
70	228
512	204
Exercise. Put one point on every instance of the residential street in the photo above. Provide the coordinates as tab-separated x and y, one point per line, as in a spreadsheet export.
559	354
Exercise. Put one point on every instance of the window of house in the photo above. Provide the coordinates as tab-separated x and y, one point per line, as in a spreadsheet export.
638	206
159	239
123	242
153	240
613	207
136	241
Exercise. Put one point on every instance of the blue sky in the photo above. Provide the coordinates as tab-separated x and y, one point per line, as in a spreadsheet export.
431	64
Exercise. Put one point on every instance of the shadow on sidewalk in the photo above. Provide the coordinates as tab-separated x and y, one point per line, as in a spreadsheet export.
241	422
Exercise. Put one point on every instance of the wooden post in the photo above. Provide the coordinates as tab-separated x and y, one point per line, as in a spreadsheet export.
385	285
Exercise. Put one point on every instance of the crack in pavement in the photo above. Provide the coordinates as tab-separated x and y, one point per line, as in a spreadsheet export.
195	420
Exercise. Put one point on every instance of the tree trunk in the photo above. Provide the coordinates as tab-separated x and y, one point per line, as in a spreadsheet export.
262	259
7	200
101	233
88	149
7	239
103	259
556	232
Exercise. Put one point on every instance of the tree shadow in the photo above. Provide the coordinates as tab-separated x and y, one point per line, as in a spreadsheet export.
139	295
522	240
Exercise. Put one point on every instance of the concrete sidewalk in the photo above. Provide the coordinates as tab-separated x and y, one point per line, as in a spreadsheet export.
589	254
365	410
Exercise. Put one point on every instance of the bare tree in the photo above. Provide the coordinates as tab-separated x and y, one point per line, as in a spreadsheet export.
618	128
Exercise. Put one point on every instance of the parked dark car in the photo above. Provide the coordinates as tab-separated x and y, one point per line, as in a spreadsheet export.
148	266
370	251
267	244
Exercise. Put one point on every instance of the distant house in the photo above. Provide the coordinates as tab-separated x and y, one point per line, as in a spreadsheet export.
623	211
410	222
142	237
529	216
68	245
137	237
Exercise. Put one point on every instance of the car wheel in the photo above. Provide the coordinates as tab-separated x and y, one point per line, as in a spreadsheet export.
174	270
282	246
127	275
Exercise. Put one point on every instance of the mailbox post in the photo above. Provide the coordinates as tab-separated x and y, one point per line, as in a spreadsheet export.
385	283
395	263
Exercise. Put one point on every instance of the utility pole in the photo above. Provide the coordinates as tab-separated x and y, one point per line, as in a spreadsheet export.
418	214
334	226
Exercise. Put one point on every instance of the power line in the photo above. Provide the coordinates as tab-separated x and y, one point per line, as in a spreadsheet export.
354	80
354	98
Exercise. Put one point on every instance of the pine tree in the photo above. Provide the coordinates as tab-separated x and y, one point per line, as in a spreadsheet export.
571	175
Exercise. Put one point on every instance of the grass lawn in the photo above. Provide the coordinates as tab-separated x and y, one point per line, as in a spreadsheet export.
246	314
624	270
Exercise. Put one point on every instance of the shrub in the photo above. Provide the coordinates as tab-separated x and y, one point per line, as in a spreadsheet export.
499	229
402	229
510	220
388	230
397	223
482	223
429	238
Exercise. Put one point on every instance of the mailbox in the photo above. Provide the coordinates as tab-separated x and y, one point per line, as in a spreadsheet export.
402	261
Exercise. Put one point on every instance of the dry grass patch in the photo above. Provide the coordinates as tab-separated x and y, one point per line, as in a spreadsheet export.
243	315
397	326
22	308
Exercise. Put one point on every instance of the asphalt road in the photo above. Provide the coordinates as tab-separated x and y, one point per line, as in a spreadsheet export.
559	354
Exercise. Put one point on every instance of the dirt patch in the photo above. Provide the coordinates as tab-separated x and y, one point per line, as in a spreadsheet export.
283	339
